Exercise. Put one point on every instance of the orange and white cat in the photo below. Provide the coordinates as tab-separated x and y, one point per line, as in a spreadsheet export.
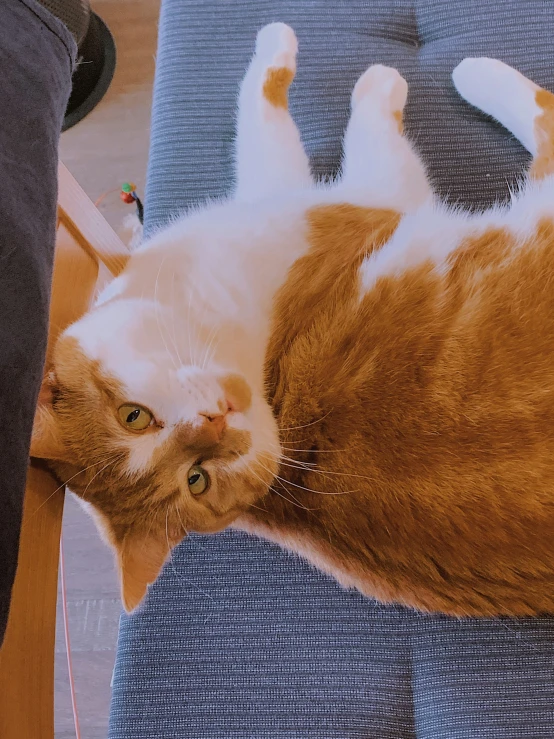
353	370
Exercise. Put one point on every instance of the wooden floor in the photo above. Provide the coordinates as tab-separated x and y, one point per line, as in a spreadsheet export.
109	147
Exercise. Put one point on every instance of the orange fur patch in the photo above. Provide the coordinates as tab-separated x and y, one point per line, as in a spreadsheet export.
397	115
482	252
341	237
426	410
276	86
543	163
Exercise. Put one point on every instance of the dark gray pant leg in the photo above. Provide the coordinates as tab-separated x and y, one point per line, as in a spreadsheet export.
36	62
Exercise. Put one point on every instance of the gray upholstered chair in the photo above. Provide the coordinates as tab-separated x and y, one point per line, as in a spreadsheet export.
237	639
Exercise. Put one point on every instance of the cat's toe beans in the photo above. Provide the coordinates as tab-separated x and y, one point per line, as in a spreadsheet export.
276	46
384	84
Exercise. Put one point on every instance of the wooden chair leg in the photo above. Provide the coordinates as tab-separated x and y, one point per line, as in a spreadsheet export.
88	253
27	656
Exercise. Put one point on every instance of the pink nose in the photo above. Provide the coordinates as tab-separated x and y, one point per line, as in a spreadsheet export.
215	424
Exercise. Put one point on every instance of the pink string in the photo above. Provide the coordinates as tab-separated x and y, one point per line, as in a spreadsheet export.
68	645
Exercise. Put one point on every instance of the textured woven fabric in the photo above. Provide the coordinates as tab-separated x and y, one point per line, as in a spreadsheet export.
238	639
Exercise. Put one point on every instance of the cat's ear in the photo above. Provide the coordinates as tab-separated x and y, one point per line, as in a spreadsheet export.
140	560
46	441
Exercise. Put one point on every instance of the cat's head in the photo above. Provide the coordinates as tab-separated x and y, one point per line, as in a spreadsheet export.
155	447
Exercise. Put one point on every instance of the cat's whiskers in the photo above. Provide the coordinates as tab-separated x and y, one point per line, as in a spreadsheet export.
318	492
312	467
294	501
198	326
201	323
297	466
172	563
169	547
278	454
294	462
157	312
117	457
306	451
173	328
307	466
213	351
207	344
305	426
280	482
297	441
152	520
309	490
210	342
288	500
178	512
192	359
257	507
294	498
64	484
317	451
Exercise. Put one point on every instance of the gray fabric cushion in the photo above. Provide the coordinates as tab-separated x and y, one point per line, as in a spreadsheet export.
239	639
36	58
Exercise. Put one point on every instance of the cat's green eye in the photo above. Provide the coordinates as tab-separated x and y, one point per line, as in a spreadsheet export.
134	417
198	480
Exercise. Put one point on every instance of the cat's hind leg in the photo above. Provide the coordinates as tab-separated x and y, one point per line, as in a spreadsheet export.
377	158
521	106
270	157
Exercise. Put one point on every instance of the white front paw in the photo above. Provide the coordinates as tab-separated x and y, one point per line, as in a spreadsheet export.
276	46
486	83
382	84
